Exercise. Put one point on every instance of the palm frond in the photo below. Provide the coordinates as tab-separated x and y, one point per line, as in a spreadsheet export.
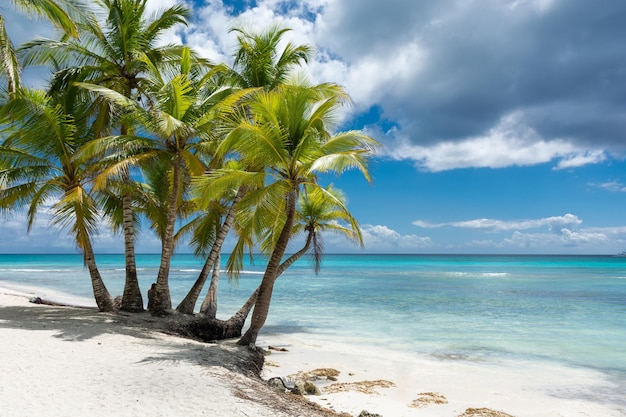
53	11
8	56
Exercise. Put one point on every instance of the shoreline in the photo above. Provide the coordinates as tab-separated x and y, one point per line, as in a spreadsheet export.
370	378
422	386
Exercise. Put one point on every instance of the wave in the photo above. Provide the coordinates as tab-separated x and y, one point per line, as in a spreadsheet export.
35	270
479	274
124	269
221	271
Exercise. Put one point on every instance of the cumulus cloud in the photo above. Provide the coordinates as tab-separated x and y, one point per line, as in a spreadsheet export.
382	238
463	84
486	83
511	142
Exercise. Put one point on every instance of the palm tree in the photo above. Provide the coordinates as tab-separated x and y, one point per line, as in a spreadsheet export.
258	63
117	56
323	210
54	11
317	212
177	122
37	163
287	131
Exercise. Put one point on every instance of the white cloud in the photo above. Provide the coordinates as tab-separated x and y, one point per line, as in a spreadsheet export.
554	224
613	186
382	238
582	158
563	235
566	238
47	238
466	84
511	143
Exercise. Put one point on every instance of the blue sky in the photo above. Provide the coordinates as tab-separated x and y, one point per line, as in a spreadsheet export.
503	122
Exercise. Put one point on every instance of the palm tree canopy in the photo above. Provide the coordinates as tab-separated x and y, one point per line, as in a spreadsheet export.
258	61
284	138
115	53
38	165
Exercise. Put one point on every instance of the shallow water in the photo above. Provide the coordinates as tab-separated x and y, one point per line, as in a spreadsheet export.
566	310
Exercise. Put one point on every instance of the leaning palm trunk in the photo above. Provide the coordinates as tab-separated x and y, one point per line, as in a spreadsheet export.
209	328
100	292
209	305
162	298
262	305
189	302
131	299
293	258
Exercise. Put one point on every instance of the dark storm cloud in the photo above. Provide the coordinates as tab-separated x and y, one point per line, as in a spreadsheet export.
560	65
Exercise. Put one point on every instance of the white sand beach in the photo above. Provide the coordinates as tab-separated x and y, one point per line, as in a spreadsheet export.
61	361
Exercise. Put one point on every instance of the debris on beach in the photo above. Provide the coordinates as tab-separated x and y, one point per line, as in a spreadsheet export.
366	413
277	384
302	383
277	348
329	374
302	387
428	398
365	387
483	412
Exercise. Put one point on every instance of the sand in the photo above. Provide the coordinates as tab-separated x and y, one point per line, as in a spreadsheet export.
61	361
67	362
401	385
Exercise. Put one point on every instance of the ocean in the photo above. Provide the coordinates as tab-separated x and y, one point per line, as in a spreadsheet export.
566	310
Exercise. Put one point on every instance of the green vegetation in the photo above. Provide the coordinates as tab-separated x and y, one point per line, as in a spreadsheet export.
129	132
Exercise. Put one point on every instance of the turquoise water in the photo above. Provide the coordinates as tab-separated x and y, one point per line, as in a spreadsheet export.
565	309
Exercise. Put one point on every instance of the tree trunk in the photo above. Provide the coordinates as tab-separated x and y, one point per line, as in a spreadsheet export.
209	329
100	292
293	258
209	305
262	305
132	299
162	297
189	302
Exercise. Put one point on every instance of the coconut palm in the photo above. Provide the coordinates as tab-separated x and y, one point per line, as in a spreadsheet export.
258	63
176	125
323	210
115	55
288	132
38	165
317	212
55	11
